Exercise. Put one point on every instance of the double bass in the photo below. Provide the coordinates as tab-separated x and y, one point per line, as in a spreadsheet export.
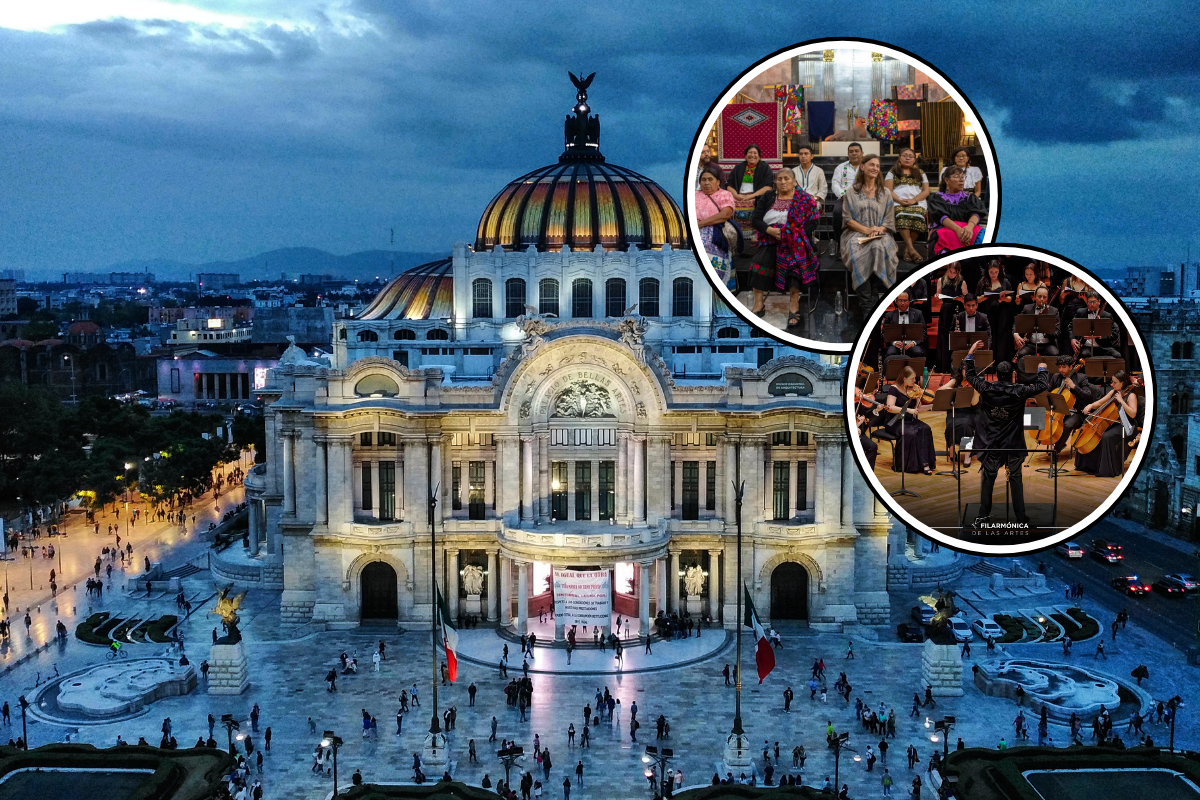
1048	435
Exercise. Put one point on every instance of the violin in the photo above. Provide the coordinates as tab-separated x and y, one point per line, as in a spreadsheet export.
861	399
1048	435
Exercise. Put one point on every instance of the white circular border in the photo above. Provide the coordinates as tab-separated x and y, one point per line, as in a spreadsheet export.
985	144
1114	306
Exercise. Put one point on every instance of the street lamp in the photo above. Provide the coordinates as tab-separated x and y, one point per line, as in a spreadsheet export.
25	728
945	724
333	740
838	743
231	725
508	756
660	759
128	467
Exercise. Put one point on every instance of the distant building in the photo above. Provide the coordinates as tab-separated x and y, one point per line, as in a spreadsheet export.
71	371
311	326
1181	281
17	275
225	373
169	315
217	281
130	278
209	331
8	297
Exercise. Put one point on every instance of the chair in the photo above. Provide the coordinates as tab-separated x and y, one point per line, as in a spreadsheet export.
882	434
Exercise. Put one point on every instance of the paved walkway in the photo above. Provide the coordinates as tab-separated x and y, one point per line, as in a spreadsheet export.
484	647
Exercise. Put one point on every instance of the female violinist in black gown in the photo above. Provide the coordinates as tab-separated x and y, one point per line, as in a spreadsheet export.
915	447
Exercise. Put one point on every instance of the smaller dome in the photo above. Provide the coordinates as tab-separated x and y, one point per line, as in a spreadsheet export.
20	344
83	328
424	292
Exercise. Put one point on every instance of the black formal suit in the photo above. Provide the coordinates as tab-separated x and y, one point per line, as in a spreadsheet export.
915	317
1106	346
982	325
1048	347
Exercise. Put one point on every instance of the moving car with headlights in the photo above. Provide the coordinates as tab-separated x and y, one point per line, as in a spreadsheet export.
1104	550
1131	585
1070	550
987	627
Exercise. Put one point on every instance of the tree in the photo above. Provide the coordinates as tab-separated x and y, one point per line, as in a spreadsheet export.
31	427
40	329
251	431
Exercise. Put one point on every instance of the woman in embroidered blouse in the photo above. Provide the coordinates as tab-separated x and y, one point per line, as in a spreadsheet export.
955	215
909	188
787	261
752	178
972	176
714	207
869	215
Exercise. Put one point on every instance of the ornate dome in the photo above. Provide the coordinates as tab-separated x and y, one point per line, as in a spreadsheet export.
423	292
581	201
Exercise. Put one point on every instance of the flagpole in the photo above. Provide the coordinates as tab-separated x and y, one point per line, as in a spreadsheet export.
435	724
737	710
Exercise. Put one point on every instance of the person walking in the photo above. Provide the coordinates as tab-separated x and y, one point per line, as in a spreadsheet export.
566	788
725	674
850	649
788	694
886	781
579	773
492	738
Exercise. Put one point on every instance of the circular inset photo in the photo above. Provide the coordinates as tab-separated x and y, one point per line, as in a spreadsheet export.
1000	395
827	172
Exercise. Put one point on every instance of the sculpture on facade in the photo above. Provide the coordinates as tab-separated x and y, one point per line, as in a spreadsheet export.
693	580
226	608
472	579
633	335
583	399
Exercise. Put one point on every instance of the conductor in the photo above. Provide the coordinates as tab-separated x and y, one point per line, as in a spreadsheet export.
999	425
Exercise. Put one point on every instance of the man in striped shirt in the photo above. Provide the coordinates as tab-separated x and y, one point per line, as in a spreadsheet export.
843	179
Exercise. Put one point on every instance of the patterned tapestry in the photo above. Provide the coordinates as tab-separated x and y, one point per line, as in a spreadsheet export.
910	91
881	120
791	96
941	129
744	124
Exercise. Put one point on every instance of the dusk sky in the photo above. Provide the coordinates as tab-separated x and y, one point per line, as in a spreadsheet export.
207	130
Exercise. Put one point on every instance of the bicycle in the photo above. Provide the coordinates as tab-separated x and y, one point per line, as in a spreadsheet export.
115	651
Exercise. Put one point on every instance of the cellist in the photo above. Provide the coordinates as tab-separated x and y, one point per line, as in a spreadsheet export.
1083	392
1107	459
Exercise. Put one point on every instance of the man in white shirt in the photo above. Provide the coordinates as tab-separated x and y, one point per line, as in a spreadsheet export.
809	177
843	179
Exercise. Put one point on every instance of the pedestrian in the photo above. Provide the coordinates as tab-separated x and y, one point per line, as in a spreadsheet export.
267	738
579	773
886	780
399	720
471	690
788	694
492	738
212	721
375	659
850	649
471	756
259	762
929	701
566	789
725	674
1099	647
571	735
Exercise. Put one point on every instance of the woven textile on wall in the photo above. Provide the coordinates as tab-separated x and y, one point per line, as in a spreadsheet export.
820	120
791	98
941	129
744	124
881	120
910	91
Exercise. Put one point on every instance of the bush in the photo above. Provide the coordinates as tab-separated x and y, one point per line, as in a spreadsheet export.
156	631
1053	631
105	630
1014	631
86	631
121	634
1088	627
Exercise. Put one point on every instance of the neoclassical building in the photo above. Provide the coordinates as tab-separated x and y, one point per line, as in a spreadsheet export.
567	393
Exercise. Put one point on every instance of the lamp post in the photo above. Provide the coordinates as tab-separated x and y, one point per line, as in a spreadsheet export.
839	744
333	740
435	743
231	725
737	744
945	724
660	759
128	467
25	728
508	756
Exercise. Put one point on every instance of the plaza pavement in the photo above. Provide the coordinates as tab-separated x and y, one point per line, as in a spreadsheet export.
287	667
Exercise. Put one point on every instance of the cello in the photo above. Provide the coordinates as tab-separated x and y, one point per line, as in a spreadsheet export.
1088	435
1048	435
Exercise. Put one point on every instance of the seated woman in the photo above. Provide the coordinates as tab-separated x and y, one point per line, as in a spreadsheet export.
785	260
961	424
714	207
915	446
867	246
955	215
751	178
972	176
909	187
1107	459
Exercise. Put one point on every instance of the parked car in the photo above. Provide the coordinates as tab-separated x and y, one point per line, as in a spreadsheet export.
1131	585
1169	586
1187	581
1104	550
960	629
910	632
1070	550
987	627
922	614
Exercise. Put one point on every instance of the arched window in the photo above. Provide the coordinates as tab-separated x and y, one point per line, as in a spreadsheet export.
681	297
548	296
405	334
1174	404
614	297
728	333
648	297
1185	402
514	298
1176	349
437	335
581	298
481	298
342	334
368	336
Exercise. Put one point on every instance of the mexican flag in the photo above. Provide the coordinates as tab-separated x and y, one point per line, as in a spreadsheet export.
449	637
764	656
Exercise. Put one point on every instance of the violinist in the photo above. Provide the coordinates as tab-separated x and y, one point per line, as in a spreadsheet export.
961	424
903	314
866	414
1106	346
1107	460
1041	344
1083	392
916	444
999	429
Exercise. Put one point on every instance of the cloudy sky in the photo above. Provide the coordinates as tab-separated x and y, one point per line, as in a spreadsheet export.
215	129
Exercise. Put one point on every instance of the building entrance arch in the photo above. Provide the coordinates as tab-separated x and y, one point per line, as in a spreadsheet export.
378	587
789	592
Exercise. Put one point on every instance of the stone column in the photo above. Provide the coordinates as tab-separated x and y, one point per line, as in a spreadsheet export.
847	484
451	587
676	496
570	490
505	590
793	486
401	499
660	569
829	473
374	488
673	580
527	472
464	485
543	484
595	490
489	488
522	598
644	598
714	584
447	499
289	473
489	610
321	515
729	492
435	478
253	523
621	487
639	481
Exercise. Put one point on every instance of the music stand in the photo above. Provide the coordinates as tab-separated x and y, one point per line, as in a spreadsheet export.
1031	363
1091	328
909	332
983	360
962	340
949	400
1103	367
1026	324
896	364
871	384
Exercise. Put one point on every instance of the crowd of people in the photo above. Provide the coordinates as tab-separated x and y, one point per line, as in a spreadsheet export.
870	209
